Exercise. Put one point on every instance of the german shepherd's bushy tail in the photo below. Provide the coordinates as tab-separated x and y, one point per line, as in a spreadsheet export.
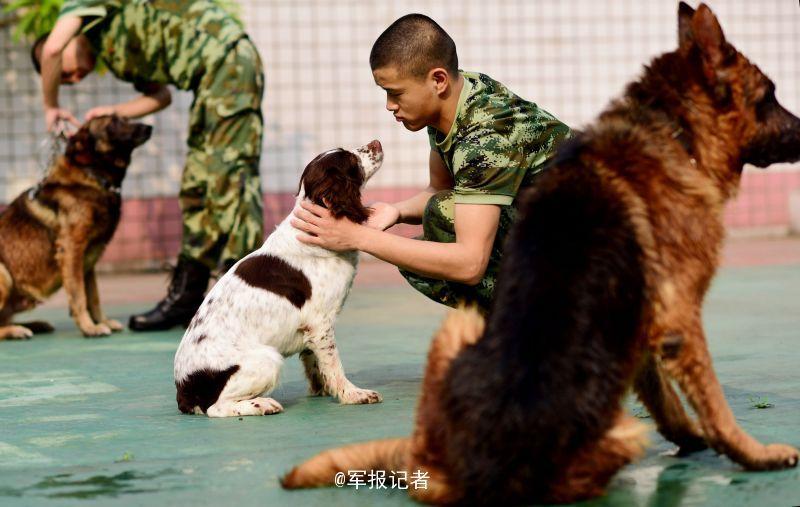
389	455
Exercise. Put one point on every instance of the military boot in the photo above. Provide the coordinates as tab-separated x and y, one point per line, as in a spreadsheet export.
184	295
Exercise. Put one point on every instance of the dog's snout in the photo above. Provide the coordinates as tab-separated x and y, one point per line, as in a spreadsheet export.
142	133
375	146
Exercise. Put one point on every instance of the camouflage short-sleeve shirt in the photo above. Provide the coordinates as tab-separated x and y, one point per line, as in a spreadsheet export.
157	41
497	142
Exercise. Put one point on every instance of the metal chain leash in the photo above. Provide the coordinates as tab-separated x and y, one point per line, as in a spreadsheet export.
51	147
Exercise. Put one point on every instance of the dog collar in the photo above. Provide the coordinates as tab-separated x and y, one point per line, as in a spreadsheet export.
104	182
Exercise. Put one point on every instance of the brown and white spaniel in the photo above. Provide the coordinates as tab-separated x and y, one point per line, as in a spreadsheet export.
278	301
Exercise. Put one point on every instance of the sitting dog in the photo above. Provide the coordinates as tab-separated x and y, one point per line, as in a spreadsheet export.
54	233
601	290
278	301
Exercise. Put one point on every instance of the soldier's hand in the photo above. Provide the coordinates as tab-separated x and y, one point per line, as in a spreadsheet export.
383	216
100	111
57	120
321	228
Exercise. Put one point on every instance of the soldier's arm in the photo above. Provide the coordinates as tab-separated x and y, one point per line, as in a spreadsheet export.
464	261
50	60
155	98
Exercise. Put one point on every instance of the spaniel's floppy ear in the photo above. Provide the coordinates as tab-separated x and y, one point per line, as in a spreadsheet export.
343	196
329	186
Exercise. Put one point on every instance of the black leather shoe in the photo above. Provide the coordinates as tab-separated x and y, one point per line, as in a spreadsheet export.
186	290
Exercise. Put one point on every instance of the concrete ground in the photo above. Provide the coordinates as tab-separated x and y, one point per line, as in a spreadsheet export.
94	421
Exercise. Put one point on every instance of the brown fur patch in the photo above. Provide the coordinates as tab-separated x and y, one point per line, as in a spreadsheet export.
270	273
202	388
334	180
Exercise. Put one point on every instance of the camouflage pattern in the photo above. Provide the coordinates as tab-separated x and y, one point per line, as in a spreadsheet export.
438	225
195	45
496	146
220	192
157	41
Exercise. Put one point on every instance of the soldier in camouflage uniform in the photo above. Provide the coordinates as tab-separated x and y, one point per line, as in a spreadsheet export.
487	144
194	45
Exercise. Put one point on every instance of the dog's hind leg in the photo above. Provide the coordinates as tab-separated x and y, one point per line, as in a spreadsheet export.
459	329
687	360
257	373
93	302
590	470
9	331
323	345
657	394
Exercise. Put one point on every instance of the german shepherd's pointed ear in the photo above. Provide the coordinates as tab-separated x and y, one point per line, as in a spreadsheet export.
707	34
80	148
699	30
685	15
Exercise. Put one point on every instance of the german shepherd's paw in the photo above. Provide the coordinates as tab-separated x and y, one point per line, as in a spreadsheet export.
774	457
689	440
14	332
691	444
114	325
360	397
38	326
95	330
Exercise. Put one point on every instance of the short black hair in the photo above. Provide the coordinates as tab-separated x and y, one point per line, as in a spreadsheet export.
415	44
36	52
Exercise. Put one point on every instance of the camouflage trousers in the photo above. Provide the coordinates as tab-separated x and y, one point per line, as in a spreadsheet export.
220	196
438	225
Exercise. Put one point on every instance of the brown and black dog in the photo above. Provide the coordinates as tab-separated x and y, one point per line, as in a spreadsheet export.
601	290
54	233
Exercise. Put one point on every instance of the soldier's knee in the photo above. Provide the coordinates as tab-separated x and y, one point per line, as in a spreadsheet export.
440	204
437	219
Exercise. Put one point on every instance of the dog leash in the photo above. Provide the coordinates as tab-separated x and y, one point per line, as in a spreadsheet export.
51	147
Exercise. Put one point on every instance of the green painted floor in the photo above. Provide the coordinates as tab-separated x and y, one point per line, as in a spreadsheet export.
94	421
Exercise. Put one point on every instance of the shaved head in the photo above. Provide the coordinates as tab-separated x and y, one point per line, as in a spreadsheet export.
414	44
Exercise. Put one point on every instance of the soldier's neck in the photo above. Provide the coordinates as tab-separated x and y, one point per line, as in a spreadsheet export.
449	107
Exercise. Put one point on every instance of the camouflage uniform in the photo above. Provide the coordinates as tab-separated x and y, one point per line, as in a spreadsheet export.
495	147
195	45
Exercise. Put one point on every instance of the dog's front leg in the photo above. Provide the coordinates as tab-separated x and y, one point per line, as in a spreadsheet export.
656	392
316	384
686	358
70	250
93	299
323	345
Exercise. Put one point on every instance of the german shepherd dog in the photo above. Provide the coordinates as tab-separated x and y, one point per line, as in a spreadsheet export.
54	233
601	289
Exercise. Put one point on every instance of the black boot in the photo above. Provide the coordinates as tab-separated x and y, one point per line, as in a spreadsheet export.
186	290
